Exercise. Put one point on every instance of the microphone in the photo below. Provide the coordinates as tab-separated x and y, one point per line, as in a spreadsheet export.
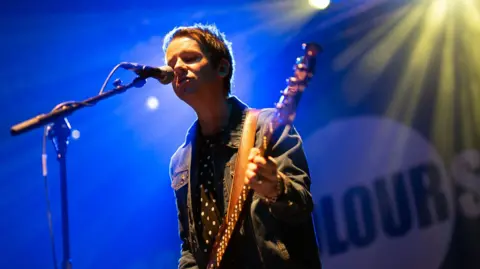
164	74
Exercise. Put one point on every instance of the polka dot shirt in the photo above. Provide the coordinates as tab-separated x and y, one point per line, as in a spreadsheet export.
209	213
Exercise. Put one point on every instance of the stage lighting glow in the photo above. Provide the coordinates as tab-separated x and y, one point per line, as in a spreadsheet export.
152	102
75	134
436	39
320	4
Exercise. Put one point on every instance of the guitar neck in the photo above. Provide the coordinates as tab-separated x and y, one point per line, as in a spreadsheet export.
280	120
285	113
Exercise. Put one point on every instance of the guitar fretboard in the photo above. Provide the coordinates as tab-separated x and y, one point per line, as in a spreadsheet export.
227	229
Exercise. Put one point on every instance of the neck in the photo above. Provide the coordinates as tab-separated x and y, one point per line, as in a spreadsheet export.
214	116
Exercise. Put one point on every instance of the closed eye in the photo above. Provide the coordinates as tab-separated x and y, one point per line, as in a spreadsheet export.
191	58
188	57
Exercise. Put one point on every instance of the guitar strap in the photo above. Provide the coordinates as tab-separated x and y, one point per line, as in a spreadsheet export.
238	189
247	141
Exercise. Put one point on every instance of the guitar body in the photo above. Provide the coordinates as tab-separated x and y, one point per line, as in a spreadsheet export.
241	194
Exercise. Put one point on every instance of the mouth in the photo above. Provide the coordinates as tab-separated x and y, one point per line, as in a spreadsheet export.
182	82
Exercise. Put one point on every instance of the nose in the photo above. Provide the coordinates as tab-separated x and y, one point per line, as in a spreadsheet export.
180	68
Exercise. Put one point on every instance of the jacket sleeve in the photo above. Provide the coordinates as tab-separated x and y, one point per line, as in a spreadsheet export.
186	261
294	205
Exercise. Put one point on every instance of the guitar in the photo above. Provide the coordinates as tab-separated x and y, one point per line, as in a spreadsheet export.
285	112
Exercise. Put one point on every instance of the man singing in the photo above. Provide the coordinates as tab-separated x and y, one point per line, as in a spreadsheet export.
277	231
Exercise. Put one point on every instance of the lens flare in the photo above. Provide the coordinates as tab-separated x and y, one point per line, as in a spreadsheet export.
320	4
432	48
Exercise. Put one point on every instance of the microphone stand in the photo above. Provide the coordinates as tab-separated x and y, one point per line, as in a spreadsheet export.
59	132
70	107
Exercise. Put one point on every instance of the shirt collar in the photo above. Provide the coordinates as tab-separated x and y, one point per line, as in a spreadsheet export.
231	134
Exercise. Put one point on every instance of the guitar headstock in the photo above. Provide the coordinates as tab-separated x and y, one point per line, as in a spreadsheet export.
304	70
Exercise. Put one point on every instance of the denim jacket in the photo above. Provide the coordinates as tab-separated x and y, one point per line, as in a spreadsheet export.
283	231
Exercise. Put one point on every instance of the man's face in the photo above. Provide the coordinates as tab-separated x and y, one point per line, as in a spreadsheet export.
194	75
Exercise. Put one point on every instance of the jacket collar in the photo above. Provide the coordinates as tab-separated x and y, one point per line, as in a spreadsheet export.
231	134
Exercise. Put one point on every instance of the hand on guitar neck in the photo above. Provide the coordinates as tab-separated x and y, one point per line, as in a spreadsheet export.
262	175
260	171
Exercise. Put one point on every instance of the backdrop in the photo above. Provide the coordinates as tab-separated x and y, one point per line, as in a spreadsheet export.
390	124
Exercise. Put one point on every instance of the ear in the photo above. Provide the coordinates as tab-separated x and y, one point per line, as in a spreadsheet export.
223	68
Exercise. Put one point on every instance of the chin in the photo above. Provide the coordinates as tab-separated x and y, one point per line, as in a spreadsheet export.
188	96
186	93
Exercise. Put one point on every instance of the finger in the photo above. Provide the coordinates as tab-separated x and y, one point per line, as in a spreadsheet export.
253	152
252	166
272	160
270	169
249	176
259	160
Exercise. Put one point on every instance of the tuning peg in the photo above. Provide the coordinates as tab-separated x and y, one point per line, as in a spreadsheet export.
299	60
301	67
292	81
312	48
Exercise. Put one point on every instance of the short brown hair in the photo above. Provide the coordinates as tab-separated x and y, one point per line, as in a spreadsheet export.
213	43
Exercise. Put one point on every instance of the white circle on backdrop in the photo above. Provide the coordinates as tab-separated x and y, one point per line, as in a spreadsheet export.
358	151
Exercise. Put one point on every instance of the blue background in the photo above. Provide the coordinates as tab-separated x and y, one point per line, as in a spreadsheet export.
121	205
